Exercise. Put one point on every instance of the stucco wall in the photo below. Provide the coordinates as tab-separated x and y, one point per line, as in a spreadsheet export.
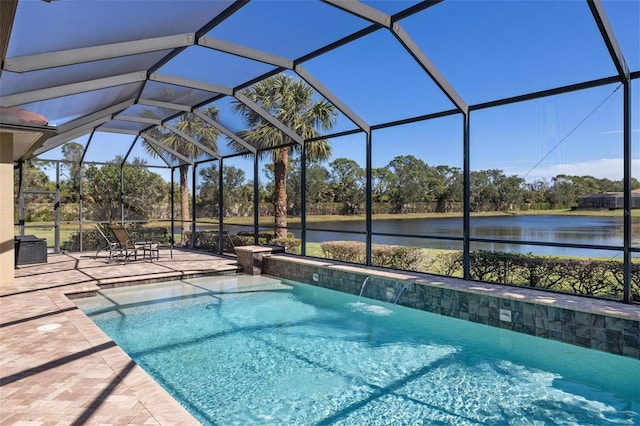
6	209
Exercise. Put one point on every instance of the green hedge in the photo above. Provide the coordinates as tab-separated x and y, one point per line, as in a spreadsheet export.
158	234
601	278
592	277
396	257
208	240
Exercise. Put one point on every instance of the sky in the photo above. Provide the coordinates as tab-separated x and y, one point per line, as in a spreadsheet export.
486	50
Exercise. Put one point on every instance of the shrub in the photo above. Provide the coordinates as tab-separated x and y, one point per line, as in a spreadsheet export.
616	269
208	240
536	271
90	241
290	244
588	277
345	251
449	263
600	278
158	234
246	240
396	257
490	266
581	276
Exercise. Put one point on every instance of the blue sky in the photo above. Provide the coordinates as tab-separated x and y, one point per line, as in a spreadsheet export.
487	50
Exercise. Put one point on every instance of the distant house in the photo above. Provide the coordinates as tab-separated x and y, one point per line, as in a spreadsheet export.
608	200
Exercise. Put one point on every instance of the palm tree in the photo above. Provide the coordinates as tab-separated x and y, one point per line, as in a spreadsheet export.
291	101
199	130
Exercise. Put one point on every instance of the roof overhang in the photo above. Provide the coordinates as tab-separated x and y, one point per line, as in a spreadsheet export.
26	139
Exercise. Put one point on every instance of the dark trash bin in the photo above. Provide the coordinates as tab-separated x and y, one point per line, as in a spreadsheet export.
29	249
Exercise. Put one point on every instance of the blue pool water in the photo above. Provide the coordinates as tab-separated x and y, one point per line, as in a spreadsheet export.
241	350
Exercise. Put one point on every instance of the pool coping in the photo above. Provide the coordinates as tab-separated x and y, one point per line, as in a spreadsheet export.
587	322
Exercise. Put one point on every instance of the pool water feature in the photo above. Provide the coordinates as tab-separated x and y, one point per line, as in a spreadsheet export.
256	350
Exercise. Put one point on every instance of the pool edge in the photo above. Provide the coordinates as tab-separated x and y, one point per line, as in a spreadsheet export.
585	322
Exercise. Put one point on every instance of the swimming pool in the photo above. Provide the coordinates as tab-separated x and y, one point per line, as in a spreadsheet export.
257	350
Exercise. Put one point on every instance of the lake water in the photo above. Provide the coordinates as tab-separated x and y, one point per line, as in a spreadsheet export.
603	231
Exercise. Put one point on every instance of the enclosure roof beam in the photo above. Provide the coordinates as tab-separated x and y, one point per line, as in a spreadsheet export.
600	16
165	105
548	92
158	152
429	67
157	144
81	55
271	119
224	130
191	84
65	137
126	156
115	130
86	148
377	17
192	140
72	89
363	11
320	88
144	120
114	109
245	52
412	10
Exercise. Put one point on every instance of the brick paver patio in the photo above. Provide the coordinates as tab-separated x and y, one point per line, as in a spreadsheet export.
58	368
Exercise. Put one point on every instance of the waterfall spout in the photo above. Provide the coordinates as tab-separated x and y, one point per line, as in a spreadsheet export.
364	283
385	290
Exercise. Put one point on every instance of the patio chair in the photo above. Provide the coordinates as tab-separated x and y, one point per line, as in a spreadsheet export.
108	244
128	246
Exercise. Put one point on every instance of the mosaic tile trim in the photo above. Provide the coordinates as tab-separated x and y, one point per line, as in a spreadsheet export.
513	311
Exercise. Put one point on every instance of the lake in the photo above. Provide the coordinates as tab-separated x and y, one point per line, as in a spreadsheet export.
604	231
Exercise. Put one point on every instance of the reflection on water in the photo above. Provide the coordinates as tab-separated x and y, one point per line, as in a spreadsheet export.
603	231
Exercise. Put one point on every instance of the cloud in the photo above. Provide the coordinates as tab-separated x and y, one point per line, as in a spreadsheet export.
609	168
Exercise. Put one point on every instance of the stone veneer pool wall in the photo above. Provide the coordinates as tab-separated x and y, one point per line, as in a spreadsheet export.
591	323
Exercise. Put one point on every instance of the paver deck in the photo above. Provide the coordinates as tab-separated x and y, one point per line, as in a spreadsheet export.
58	368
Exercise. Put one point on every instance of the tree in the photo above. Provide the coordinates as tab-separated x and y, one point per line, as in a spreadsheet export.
199	130
72	154
292	102
449	190
511	193
381	184
535	193
33	177
492	190
413	181
144	190
347	183
235	189
562	193
316	188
